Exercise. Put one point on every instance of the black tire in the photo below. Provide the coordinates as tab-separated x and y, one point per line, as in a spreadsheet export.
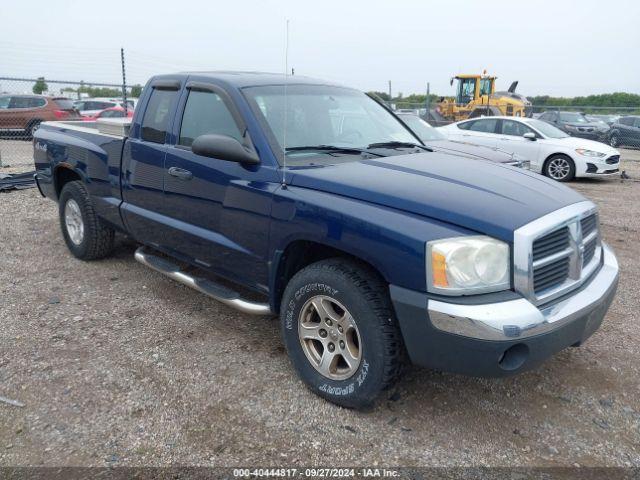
614	141
97	239
365	296
552	168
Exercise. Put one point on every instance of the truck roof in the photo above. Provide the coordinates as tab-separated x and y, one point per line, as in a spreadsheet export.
251	79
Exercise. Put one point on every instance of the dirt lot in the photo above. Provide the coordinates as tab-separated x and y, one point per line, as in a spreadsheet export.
116	365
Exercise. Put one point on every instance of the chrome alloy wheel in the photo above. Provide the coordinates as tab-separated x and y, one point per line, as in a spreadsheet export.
73	221
329	337
559	168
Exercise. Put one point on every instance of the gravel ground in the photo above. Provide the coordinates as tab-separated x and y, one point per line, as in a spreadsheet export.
116	365
15	155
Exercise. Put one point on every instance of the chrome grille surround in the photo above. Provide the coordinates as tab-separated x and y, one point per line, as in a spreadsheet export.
580	248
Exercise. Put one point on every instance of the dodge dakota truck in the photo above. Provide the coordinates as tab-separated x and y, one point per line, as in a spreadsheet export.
312	201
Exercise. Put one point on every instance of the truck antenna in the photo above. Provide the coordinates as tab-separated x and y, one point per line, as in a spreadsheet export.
284	126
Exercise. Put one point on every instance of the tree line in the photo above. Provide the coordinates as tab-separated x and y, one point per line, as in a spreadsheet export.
616	99
134	91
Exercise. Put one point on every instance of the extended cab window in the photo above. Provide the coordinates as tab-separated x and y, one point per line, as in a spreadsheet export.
206	112
156	117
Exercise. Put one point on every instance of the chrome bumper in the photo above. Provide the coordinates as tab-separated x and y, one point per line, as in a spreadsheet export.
518	319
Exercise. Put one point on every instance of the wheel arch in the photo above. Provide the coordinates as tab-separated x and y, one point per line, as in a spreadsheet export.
556	154
300	253
63	174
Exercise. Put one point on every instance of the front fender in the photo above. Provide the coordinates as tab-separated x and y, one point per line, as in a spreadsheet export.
392	241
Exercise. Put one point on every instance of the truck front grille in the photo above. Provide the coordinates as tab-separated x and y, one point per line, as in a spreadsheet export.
551	275
588	225
557	253
550	244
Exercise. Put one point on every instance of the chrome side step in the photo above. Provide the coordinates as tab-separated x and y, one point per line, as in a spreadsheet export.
214	290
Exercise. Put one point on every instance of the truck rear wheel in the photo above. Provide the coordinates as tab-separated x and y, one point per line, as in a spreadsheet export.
340	332
86	236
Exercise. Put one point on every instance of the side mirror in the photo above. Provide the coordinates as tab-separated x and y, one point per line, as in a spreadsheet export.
223	147
530	136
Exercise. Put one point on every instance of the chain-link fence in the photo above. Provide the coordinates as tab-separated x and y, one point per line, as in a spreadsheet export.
27	102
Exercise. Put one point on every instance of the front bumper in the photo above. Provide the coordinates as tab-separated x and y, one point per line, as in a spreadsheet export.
501	336
596	135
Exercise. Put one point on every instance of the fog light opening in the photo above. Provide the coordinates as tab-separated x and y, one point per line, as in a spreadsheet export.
514	357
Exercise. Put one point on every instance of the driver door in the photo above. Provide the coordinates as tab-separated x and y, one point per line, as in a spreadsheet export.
217	211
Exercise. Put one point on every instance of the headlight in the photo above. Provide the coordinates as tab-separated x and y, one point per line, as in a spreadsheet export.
589	153
467	265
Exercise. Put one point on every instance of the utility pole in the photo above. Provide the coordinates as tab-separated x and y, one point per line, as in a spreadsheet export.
124	85
428	102
390	97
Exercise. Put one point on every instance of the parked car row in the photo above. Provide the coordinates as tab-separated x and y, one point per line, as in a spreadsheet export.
23	114
90	107
615	130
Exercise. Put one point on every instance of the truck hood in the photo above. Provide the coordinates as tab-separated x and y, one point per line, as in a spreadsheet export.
486	197
470	149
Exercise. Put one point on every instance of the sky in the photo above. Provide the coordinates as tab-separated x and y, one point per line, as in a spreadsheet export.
554	47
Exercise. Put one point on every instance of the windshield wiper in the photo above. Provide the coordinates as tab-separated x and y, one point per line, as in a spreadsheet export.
331	148
398	145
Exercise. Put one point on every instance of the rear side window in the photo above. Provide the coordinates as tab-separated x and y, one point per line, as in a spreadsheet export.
63	103
206	112
627	121
156	117
97	105
487	125
4	102
27	102
112	114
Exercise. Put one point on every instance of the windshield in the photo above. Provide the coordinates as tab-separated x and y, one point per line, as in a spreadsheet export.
324	115
573	117
421	128
546	129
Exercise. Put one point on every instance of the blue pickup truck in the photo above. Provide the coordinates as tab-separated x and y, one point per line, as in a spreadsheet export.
312	201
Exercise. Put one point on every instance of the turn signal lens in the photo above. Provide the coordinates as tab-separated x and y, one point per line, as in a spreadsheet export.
439	270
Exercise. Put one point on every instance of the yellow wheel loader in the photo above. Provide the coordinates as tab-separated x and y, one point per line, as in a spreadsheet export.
476	96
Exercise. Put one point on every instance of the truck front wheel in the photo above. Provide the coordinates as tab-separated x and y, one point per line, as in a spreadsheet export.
340	331
86	236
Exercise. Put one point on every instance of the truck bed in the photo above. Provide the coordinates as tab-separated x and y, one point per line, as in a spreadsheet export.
91	149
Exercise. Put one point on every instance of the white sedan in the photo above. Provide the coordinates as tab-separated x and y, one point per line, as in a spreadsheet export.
550	151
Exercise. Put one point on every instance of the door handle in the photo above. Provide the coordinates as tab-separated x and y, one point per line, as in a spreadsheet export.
180	173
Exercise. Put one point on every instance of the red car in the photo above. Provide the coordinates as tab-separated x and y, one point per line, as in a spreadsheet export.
113	112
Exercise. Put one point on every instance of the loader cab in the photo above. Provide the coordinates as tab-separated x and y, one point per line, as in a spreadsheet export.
472	87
